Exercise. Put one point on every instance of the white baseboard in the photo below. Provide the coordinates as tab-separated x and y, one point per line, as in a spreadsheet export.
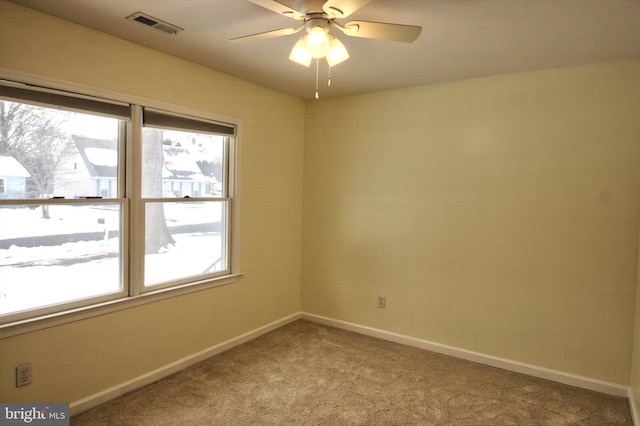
157	374
505	364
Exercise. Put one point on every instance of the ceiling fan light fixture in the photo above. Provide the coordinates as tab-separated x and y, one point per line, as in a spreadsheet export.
337	52
318	18
317	42
300	54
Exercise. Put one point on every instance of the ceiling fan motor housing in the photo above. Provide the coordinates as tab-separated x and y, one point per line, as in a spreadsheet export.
315	20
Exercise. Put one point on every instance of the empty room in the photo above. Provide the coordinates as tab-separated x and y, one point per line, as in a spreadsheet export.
430	214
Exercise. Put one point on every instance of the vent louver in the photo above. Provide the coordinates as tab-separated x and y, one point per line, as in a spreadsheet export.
152	22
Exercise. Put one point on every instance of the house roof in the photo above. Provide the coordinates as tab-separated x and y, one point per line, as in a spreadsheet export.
99	156
101	159
179	164
9	166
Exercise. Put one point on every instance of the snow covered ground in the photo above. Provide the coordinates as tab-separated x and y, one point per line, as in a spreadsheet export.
50	274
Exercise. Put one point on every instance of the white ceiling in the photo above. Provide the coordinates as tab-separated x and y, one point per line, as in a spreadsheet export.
460	38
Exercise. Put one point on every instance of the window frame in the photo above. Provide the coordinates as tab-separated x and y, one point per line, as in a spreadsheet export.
172	121
132	247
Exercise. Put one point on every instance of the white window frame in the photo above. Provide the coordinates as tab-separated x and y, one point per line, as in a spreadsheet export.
227	197
133	243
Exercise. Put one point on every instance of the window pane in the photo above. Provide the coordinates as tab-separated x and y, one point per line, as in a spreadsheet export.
72	255
182	164
50	152
184	239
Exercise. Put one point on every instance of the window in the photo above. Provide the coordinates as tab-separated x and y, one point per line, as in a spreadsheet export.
108	201
186	229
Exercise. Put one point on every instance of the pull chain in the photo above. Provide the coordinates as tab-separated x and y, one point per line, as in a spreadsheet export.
329	80
317	67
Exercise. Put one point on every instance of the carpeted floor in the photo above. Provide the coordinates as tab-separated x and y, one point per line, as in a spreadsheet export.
310	374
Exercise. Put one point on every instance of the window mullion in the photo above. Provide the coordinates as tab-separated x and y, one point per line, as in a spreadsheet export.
136	211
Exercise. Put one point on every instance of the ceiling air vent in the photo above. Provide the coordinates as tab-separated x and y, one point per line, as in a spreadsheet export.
158	24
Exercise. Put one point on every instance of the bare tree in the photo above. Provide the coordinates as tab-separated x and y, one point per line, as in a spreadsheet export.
15	123
33	136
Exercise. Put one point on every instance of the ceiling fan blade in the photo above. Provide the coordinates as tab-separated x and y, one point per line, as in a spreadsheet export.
267	34
279	8
342	8
382	30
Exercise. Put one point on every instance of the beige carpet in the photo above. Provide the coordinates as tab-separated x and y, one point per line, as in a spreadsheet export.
310	374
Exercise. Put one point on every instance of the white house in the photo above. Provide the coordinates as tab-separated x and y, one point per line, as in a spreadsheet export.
93	169
13	178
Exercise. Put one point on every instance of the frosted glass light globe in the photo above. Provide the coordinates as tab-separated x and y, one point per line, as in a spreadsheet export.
318	42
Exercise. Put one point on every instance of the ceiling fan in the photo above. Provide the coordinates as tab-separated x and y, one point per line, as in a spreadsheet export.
318	18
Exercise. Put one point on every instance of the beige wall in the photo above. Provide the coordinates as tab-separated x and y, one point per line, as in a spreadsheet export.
75	360
498	215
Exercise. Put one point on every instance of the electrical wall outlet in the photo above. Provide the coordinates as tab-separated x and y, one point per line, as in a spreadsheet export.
23	375
382	301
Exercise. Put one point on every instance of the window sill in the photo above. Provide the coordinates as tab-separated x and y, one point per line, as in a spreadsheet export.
79	314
